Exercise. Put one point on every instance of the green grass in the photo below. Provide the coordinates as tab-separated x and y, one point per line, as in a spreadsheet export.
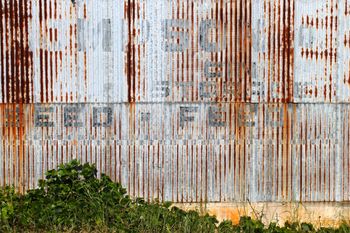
73	199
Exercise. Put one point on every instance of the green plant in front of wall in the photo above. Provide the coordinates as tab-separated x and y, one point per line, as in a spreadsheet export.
72	199
9	207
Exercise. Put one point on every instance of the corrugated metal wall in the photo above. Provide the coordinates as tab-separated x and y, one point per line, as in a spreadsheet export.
187	101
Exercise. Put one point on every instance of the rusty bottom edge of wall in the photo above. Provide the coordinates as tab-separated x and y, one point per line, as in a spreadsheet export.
320	214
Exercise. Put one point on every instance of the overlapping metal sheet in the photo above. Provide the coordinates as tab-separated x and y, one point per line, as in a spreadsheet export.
187	101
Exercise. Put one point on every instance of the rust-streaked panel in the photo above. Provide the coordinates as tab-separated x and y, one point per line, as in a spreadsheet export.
189	152
273	51
16	57
175	51
188	101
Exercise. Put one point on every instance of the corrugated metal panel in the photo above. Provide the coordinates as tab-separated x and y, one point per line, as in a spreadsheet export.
188	152
187	101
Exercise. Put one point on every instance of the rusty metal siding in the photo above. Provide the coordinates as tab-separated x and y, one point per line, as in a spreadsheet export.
273	51
317	51
16	57
264	152
187	101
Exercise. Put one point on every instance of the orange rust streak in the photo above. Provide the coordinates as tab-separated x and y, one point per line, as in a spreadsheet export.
16	80
130	61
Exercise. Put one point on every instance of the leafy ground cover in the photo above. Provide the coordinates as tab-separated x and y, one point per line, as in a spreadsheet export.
72	199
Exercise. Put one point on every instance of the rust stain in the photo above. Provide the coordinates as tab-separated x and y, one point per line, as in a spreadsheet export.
130	53
16	79
17	71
